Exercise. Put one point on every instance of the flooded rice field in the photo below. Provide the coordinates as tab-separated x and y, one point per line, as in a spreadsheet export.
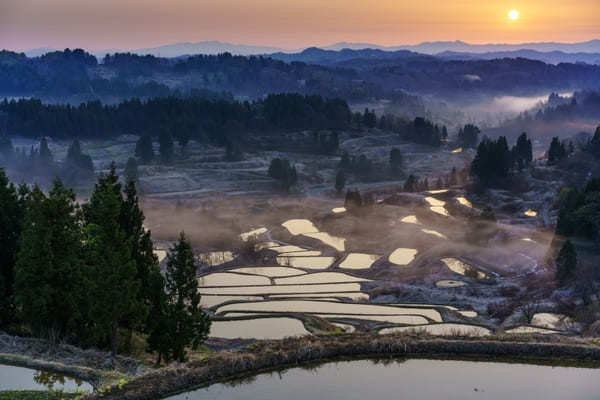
411	379
17	378
369	272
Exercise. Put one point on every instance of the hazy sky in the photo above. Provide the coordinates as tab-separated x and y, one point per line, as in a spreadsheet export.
129	24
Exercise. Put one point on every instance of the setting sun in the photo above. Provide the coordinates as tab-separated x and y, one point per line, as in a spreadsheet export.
513	15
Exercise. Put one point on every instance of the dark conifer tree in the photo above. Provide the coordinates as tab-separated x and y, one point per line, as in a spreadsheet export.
12	211
144	149
115	289
395	160
566	263
51	282
340	181
186	324
165	143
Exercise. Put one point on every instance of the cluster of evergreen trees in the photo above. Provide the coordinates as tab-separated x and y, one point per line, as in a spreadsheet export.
39	162
88	274
285	173
183	118
494	161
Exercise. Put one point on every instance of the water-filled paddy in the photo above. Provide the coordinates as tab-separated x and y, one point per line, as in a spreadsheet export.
462	268
449	283
211	301
305	262
338	210
464	202
299	226
160	254
253	233
411	219
530	329
271	272
333	241
260	328
17	378
287	289
549	320
530	213
403	256
350	295
359	261
215	258
434	233
229	279
412	379
323	307
319	277
442	330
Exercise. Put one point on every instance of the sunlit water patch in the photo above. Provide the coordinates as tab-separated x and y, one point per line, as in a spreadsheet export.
271	272
207	301
278	289
339	210
441	191
402	256
434	233
229	279
411	219
322	307
392	319
337	243
319	277
457	151
550	320
160	254
354	296
442	330
253	233
287	249
530	329
260	328
464	201
449	283
306	262
412	379
300	226
530	213
216	258
346	328
462	268
17	378
359	261
305	253
433	202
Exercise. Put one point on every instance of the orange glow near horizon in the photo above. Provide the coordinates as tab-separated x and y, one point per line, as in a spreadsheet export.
129	24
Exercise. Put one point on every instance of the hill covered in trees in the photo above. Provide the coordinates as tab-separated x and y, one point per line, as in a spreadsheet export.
75	75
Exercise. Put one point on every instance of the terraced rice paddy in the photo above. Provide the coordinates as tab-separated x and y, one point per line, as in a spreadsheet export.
305	262
253	233
300	226
530	213
258	328
325	307
279	289
434	233
230	279
319	277
448	283
462	268
411	219
442	330
359	261
550	320
530	329
403	256
271	272
338	210
463	201
216	258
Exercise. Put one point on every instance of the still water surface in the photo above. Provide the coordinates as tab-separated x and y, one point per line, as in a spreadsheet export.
412	379
17	378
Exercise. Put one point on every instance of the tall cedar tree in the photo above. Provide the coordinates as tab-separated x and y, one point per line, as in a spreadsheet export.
11	221
131	170
109	250
340	181
557	151
165	143
50	279
566	263
188	324
144	150
395	160
148	270
522	151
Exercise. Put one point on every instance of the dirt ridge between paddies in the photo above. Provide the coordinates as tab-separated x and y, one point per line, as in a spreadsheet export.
266	356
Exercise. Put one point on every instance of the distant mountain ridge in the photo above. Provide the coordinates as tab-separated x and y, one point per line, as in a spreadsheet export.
590	46
431	48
